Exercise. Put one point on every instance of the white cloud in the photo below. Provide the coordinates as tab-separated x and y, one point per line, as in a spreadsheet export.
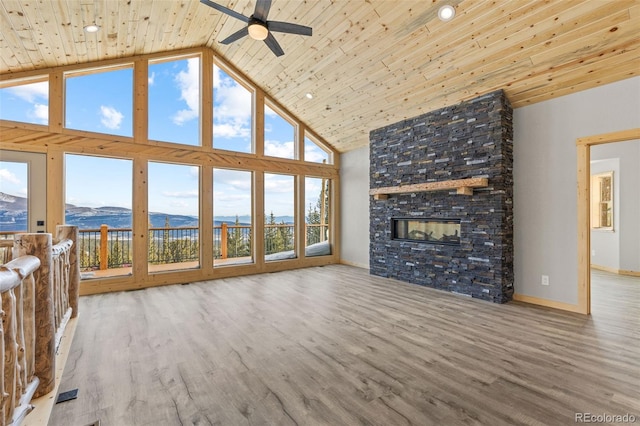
9	176
41	113
231	130
182	194
232	107
31	92
278	149
152	79
111	117
189	84
277	184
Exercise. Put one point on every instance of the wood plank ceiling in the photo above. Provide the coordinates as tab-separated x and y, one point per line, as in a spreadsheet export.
369	62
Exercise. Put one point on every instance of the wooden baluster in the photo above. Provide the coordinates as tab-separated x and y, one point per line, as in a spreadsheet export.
223	240
3	391
66	232
28	309
104	253
10	352
21	365
40	245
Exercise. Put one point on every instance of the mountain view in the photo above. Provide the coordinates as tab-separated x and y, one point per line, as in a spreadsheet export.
13	216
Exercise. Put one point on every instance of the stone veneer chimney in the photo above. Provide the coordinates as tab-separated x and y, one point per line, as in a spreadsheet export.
472	139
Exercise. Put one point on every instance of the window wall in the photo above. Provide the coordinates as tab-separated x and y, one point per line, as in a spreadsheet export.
194	154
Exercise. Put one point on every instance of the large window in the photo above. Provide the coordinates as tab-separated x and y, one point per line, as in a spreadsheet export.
100	101
279	227
98	201
26	101
174	233
232	117
279	135
174	101
317	218
232	217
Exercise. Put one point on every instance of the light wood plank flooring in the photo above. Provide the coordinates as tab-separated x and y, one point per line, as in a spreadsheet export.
335	346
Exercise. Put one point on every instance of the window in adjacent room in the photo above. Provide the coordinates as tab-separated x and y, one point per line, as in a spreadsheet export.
602	201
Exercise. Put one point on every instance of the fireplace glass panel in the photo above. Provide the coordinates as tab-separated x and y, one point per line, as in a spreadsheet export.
433	231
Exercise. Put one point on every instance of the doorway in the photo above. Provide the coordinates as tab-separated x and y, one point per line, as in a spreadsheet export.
23	192
584	208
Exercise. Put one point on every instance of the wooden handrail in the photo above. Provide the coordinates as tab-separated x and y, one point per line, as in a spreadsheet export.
18	379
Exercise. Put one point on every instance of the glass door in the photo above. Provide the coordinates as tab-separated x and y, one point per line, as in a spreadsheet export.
23	192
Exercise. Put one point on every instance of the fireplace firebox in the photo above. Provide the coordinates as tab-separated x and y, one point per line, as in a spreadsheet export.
426	230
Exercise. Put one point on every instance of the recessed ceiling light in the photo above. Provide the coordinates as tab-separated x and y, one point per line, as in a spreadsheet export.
92	28
309	96
446	13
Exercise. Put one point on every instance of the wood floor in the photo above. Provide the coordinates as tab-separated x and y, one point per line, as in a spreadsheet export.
335	346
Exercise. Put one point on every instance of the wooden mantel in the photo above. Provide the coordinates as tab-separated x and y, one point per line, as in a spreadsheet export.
462	186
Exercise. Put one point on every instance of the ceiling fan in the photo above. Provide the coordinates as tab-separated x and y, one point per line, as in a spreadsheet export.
258	28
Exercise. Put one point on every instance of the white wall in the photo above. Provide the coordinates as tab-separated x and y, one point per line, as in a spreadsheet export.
545	179
354	207
619	249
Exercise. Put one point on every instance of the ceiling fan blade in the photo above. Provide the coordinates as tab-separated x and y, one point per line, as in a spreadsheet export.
226	10
288	27
236	36
262	10
273	45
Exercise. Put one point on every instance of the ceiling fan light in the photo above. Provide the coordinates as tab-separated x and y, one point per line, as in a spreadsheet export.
446	13
258	31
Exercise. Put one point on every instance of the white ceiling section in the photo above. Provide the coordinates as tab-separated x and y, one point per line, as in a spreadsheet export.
369	63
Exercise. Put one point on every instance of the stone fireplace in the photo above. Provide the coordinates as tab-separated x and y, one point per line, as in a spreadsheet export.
441	207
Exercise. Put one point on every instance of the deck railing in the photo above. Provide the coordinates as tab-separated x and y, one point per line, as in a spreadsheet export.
39	291
103	248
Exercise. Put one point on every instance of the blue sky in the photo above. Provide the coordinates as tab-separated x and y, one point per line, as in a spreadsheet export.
103	102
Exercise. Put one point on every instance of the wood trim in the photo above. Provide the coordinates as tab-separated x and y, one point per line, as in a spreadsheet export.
624	135
584	229
141	101
462	186
583	146
106	63
140	219
355	264
55	191
547	303
616	271
56	102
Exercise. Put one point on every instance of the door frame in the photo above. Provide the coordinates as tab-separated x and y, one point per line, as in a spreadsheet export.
583	146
